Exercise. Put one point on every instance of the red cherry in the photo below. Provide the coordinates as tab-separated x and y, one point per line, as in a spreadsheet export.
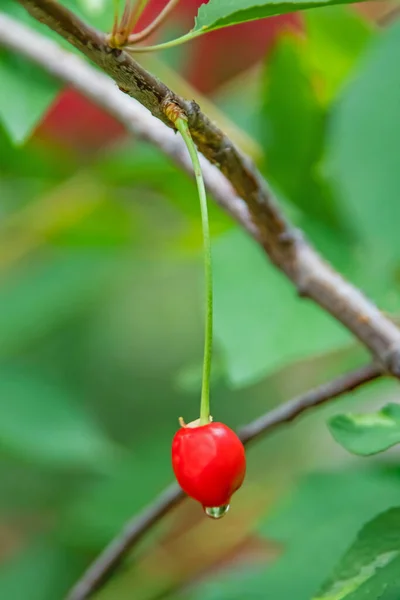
209	463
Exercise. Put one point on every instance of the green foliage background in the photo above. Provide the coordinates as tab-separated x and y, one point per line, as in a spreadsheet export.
101	332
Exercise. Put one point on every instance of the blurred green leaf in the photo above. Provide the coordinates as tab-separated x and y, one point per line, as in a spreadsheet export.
315	526
142	165
42	423
243	91
25	95
189	377
96	6
336	38
367	433
99	13
110	224
371	568
293	127
38	296
364	145
260	322
35	163
337	247
221	13
101	19
101	511
40	572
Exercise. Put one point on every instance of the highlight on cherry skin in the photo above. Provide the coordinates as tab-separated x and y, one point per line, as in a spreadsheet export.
209	463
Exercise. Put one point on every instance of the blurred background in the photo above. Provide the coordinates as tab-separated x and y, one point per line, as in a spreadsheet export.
101	319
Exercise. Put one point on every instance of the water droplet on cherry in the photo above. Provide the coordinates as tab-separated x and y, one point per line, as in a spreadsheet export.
216	512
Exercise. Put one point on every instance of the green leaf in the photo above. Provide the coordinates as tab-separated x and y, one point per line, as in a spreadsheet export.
101	19
95	6
260	322
371	567
222	13
38	296
96	515
40	572
364	146
41	423
336	38
143	165
26	93
314	526
367	433
99	13
189	377
293	128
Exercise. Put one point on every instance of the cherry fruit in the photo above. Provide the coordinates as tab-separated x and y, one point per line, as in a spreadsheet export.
209	463
208	458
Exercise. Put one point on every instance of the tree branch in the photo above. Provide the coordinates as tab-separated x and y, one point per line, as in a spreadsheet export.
319	395
134	530
136	119
288	250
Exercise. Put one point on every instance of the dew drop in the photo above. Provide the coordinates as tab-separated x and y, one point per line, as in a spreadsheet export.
216	512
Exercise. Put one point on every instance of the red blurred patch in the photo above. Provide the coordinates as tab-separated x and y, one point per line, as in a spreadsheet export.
77	122
225	53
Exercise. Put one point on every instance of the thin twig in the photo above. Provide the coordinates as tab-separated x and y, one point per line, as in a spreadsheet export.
319	395
136	528
134	38
139	7
286	248
121	30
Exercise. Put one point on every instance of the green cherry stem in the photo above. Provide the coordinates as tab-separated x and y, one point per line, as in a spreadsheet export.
139	8
116	15
164	46
134	38
183	128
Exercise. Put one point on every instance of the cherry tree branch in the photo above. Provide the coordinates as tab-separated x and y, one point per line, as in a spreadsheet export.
285	246
139	525
136	119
